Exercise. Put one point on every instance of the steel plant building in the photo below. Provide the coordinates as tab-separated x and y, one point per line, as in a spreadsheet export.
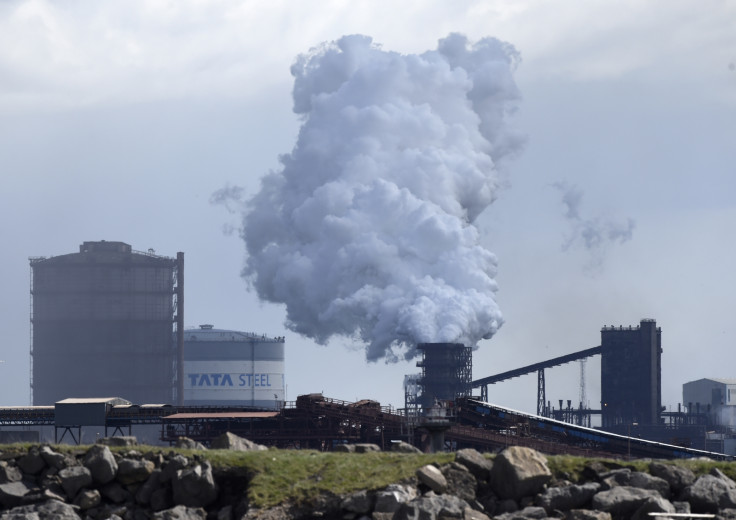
107	321
631	368
228	367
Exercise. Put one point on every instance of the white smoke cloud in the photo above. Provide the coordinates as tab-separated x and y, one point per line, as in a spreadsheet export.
594	234
366	230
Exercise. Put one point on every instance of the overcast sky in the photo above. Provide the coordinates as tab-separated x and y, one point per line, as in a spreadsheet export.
120	119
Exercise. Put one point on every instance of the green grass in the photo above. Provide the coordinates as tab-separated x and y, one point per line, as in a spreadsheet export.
300	476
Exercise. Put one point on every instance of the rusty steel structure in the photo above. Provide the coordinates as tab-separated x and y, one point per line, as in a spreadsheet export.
317	422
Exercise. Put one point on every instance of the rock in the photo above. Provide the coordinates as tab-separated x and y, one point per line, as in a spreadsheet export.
653	505
567	497
622	501
194	487
432	477
160	499
123	440
51	509
390	499
519	472
476	463
433	507
12	493
53	458
404	447
708	493
32	463
143	495
676	476
174	464
131	471
42	495
617	477
115	493
88	499
527	512
642	480
189	444
587	514
74	478
181	513
229	441
344	448
594	470
460	482
360	502
101	463
9	473
366	447
472	514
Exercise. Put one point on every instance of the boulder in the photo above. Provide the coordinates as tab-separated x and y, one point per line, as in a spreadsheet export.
365	447
622	501
518	472
12	493
54	459
433	506
390	499
472	514
478	465
131	471
173	465
229	441
523	514
32	463
653	505
359	502
460	482
9	473
101	463
123	440
432	477
154	482
676	476
404	447
181	513
194	487
115	493
189	444
708	493
51	509
565	498
74	478
587	514
87	499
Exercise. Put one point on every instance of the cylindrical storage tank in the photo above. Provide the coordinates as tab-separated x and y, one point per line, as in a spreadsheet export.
232	368
103	321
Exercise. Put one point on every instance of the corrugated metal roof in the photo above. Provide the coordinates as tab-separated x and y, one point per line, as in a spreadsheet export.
116	401
221	415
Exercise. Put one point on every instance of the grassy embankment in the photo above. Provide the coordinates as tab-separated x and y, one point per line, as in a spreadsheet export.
278	476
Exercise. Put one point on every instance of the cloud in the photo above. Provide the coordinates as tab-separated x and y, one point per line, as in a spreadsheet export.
594	234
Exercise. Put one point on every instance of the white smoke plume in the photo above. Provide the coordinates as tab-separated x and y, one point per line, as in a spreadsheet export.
366	230
594	234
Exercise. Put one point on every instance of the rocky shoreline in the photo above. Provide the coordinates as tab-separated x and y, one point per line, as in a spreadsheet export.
95	483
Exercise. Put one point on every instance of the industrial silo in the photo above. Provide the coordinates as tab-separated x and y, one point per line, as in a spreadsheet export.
106	322
232	368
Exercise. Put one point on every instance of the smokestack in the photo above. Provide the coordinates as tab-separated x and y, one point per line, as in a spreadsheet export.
366	230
